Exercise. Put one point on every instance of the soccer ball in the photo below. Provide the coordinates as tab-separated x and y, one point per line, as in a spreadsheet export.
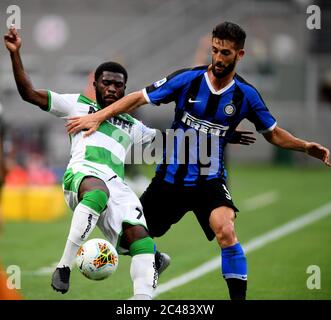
97	259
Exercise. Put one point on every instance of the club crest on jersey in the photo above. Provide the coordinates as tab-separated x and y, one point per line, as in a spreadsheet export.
160	82
229	109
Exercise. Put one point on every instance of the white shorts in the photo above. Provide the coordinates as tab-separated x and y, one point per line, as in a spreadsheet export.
123	205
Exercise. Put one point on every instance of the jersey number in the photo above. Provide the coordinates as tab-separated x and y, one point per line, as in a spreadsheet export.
227	193
140	213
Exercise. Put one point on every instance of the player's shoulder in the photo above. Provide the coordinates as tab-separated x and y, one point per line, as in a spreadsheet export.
246	87
69	97
80	98
188	72
85	104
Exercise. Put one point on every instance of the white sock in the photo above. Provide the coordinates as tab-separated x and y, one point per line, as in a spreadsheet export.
68	256
143	275
82	224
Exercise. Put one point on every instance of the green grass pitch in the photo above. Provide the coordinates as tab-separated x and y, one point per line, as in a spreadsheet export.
276	271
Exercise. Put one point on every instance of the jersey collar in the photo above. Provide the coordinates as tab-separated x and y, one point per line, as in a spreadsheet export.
211	88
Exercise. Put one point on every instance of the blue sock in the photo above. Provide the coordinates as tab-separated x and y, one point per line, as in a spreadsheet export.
234	264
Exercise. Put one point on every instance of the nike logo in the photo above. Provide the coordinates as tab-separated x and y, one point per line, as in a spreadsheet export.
193	101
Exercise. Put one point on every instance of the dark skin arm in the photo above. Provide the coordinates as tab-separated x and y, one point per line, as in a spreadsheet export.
25	88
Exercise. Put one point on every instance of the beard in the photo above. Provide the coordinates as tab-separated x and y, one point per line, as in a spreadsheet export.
226	69
99	99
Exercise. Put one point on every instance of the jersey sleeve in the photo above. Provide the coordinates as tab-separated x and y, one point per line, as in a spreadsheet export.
61	105
141	133
259	114
166	89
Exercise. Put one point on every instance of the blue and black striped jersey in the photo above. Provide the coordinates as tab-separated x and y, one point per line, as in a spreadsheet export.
212	116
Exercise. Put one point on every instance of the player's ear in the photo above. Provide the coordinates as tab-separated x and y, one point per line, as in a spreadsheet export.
241	53
94	84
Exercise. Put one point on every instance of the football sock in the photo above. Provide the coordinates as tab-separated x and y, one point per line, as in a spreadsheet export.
69	254
96	200
142	270
82	223
145	245
84	220
234	270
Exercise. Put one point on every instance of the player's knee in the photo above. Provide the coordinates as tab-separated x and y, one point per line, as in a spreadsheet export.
225	234
95	200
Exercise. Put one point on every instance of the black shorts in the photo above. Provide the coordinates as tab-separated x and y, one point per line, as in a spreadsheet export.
165	204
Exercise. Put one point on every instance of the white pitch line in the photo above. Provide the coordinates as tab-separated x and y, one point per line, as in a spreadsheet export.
250	246
43	271
261	200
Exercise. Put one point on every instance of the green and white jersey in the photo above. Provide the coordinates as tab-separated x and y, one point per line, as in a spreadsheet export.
105	150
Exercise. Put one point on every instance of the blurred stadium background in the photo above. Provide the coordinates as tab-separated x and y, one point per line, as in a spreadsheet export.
64	41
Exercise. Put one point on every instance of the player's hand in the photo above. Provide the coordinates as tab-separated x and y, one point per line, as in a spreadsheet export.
241	137
89	122
13	40
318	151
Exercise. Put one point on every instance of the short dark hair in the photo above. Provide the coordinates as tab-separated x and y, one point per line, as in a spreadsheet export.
111	67
230	31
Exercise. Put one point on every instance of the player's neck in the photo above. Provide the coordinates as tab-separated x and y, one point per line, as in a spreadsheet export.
220	83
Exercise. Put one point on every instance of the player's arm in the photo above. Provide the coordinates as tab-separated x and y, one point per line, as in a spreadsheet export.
282	138
93	121
25	88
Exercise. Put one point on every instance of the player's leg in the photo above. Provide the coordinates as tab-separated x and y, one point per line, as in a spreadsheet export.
234	265
142	249
150	199
215	212
124	224
163	206
158	206
92	195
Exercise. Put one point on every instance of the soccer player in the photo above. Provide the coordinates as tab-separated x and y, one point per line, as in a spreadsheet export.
210	100
93	183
